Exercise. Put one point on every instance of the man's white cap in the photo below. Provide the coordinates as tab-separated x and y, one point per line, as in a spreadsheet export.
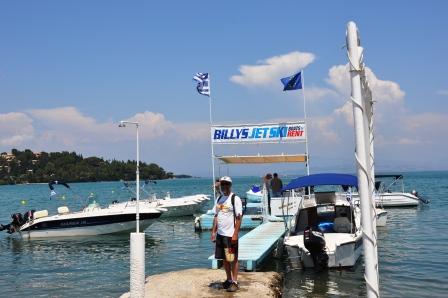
226	178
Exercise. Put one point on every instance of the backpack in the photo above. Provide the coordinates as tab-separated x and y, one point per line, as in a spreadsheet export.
232	200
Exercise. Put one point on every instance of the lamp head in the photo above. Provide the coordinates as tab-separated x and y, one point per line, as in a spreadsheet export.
122	124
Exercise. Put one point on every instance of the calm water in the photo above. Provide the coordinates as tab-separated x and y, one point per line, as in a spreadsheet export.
412	248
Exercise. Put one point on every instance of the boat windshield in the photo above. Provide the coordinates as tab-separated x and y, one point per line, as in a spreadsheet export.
327	218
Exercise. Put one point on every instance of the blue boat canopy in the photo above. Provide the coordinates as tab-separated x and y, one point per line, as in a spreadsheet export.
322	179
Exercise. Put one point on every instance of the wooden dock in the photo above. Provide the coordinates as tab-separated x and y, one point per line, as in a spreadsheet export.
256	245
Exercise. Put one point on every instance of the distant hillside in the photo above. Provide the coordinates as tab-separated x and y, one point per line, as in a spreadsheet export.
35	167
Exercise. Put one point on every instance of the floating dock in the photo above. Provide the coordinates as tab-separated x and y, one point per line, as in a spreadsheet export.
257	244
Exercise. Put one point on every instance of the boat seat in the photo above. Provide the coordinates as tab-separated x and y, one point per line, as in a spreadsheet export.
342	225
63	210
40	214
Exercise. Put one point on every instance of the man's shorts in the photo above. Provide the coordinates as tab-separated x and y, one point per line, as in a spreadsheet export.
224	242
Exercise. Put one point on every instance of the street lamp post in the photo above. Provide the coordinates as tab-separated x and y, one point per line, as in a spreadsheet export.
137	174
137	246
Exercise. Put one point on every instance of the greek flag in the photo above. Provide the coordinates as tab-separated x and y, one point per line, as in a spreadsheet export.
203	80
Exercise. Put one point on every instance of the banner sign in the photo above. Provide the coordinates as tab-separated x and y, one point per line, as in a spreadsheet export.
259	133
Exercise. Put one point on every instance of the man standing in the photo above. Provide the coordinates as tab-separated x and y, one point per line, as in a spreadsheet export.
226	226
276	186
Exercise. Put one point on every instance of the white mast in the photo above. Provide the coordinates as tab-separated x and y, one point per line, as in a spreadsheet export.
362	155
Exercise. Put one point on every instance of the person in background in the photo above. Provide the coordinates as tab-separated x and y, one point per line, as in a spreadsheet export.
276	186
267	181
226	226
217	187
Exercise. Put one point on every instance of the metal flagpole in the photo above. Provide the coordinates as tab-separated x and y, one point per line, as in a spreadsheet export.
211	141
362	159
306	125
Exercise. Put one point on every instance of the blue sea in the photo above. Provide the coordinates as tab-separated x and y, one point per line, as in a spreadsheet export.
413	249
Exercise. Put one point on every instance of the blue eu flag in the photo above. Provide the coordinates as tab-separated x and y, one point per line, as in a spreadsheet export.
293	82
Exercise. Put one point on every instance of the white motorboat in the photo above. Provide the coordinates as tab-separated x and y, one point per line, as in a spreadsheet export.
174	207
293	202
326	230
387	195
397	199
92	220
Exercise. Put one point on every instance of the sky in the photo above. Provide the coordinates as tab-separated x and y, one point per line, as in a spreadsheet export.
71	70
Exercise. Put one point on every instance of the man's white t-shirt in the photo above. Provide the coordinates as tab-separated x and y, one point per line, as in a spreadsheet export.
224	209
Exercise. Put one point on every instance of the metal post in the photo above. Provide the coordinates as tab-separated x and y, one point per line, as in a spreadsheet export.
359	114
211	140
306	126
137	241
137	185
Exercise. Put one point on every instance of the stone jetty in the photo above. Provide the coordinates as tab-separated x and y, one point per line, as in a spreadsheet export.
207	283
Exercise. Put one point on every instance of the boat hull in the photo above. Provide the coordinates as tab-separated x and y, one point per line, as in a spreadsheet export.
344	254
115	228
253	197
87	226
181	210
381	218
397	200
285	207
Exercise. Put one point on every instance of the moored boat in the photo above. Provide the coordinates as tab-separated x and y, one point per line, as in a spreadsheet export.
92	220
387	195
326	230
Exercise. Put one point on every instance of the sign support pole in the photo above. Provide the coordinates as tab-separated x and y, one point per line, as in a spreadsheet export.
211	140
306	125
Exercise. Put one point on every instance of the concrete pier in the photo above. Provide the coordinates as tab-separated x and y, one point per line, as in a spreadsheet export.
207	283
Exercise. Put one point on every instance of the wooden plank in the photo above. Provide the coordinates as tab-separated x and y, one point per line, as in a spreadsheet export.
257	244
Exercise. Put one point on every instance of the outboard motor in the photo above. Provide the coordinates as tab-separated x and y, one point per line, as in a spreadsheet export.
315	243
415	193
28	215
17	221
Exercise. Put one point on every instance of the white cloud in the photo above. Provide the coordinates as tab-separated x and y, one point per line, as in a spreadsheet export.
69	125
68	116
442	92
346	111
152	124
15	129
383	90
315	93
430	126
270	70
322	127
67	128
